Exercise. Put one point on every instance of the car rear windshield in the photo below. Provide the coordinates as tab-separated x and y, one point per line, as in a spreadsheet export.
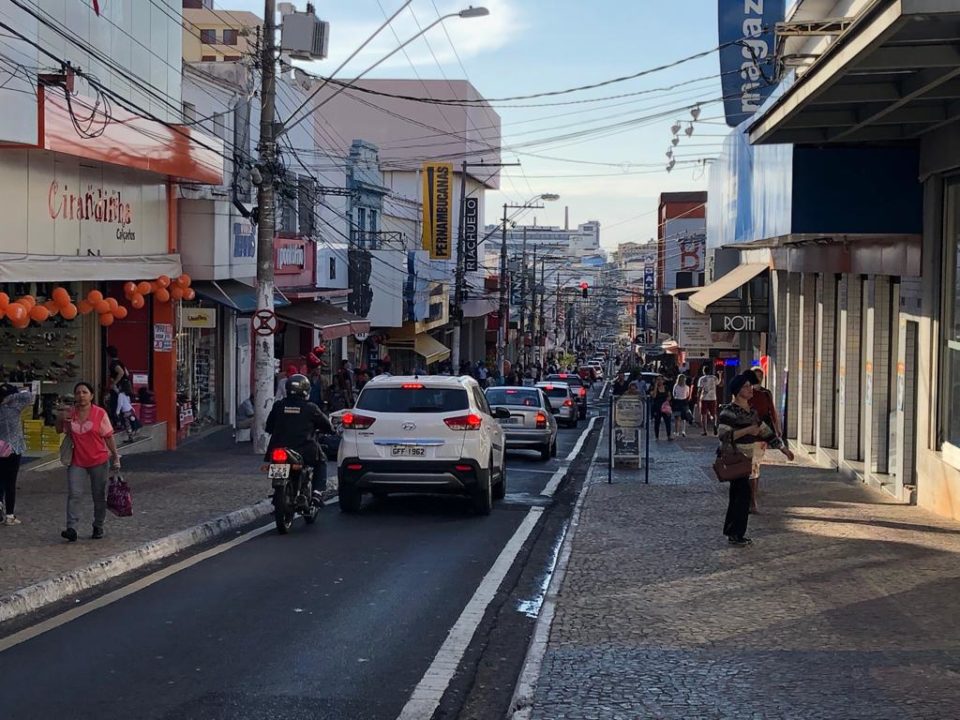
555	392
412	400
568	379
513	396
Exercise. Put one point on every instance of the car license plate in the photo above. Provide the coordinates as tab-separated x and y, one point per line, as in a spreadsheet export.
510	421
278	472
407	451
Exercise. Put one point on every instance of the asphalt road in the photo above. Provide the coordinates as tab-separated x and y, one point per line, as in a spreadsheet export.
339	620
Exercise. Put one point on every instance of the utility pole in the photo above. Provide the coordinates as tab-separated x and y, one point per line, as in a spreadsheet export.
533	306
523	298
504	308
266	201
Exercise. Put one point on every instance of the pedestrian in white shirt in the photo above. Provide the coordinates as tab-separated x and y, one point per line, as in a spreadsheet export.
707	392
681	405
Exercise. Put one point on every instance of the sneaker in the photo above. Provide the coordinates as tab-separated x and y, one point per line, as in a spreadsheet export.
740	542
12	520
97	533
69	534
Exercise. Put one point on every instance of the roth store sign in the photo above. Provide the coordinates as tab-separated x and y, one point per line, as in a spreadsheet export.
754	322
293	262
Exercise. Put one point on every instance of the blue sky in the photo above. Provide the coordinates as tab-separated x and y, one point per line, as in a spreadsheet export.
532	46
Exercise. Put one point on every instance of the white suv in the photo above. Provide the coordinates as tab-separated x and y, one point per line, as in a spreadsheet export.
431	434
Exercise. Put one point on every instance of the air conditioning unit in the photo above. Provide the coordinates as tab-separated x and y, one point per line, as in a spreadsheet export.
304	37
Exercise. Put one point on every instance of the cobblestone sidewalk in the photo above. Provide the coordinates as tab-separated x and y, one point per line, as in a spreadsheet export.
172	491
845	607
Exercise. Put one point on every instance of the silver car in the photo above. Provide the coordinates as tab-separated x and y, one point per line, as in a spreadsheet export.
563	402
531	425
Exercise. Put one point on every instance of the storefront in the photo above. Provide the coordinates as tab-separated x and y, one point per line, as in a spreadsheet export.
89	259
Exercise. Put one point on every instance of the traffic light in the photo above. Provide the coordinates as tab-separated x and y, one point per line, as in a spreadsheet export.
584	290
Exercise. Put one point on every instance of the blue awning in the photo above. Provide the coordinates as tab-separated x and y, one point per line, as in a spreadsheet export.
237	296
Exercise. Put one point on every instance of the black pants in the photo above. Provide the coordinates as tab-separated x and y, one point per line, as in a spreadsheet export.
738	509
667	419
9	467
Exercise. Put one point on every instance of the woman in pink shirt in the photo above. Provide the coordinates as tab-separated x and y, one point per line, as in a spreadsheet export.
93	449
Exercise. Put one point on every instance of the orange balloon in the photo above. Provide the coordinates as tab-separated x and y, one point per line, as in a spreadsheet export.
84	306
144	288
21	324
106	319
163	281
189	294
39	313
102	307
94	296
129	288
120	313
4	300
28	301
137	301
60	296
162	295
17	311
69	312
51	307
112	302
176	292
186	280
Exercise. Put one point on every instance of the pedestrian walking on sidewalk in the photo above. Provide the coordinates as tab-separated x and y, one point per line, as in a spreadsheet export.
661	408
762	403
707	391
94	451
740	429
12	446
681	405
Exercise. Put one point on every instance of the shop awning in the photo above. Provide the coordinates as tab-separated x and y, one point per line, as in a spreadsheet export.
331	321
18	267
892	75
237	296
736	278
478	307
429	349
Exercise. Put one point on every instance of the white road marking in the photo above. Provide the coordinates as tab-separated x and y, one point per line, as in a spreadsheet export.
554	482
141	584
426	696
581	440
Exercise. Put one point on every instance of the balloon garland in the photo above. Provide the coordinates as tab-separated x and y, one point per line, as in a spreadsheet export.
21	311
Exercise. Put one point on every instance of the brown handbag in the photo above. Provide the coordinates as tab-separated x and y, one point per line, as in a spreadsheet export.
731	464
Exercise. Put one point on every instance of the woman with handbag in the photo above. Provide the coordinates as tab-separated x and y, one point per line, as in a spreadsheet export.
739	429
89	452
681	405
660	408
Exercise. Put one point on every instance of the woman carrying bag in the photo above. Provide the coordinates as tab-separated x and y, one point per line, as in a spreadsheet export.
739	429
12	446
681	405
661	408
90	452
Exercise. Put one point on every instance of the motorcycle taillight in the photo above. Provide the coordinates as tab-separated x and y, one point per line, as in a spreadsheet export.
279	455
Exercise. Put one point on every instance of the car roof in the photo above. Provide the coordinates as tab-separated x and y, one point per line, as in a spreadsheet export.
426	380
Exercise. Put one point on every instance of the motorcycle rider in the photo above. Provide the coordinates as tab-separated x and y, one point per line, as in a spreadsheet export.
293	423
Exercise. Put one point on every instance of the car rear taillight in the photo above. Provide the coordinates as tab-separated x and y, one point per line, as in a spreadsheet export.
356	422
583	391
541	421
463	468
464	422
354	466
279	455
568	403
412	386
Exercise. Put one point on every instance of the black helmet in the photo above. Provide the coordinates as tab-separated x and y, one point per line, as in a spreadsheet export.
298	386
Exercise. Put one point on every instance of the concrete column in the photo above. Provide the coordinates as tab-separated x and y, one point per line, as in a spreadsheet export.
869	371
807	348
853	374
843	286
826	361
777	336
883	345
792	354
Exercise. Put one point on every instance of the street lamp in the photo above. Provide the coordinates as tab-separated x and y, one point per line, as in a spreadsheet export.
502	335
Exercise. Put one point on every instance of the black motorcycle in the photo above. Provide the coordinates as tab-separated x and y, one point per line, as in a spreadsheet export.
292	489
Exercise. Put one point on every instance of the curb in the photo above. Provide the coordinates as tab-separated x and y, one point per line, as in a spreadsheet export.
57	588
521	705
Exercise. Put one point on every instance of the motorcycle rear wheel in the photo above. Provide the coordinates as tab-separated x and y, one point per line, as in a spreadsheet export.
282	510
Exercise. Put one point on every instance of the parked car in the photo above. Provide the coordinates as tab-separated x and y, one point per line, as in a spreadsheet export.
531	425
563	403
578	386
430	434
